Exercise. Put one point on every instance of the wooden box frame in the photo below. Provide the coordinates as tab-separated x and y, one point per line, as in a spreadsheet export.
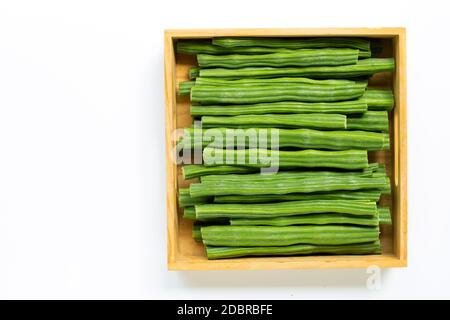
185	254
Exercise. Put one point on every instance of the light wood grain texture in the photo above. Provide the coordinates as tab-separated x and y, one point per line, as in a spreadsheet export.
171	170
302	32
185	254
401	184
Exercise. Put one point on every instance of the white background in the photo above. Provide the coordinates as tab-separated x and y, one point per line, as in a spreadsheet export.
82	167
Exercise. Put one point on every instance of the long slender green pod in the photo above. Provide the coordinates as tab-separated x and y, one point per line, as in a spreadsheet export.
293	43
185	199
365	67
190	214
309	120
287	175
249	82
260	158
288	138
261	236
299	58
289	107
198	170
369	195
206	94
306	185
205	46
369	121
315	219
197	225
299	249
379	99
287	208
186	86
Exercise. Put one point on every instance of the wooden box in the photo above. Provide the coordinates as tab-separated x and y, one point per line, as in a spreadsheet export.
185	254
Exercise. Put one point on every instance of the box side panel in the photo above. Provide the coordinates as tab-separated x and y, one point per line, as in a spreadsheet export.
289	263
288	32
169	78
400	116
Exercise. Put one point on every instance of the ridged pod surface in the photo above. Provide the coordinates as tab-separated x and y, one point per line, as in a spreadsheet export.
379	99
295	138
284	107
311	120
206	94
261	236
293	43
306	185
197	170
287	208
206	46
366	67
299	58
345	159
319	219
369	121
369	195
